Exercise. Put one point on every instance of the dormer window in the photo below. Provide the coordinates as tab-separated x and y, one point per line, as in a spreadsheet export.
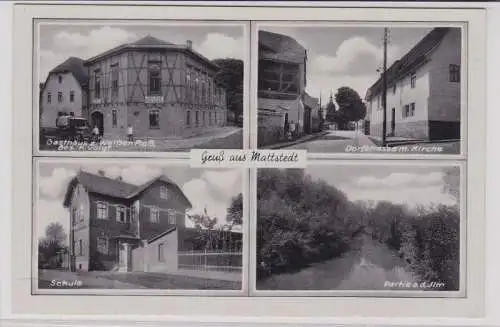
163	192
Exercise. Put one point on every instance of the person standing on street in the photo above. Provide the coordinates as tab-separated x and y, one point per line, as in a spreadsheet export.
292	130
95	133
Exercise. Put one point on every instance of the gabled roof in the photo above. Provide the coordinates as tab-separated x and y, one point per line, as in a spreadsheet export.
417	56
156	237
75	66
113	187
150	43
310	101
281	47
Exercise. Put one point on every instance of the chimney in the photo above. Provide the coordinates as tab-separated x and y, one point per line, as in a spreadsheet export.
101	173
189	44
119	178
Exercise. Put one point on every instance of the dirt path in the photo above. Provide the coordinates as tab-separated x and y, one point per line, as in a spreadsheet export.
367	266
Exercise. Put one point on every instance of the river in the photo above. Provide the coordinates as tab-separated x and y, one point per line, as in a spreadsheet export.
369	265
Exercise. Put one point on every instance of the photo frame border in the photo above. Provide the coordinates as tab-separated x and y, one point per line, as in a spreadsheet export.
245	310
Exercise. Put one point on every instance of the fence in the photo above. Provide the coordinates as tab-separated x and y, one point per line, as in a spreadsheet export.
227	261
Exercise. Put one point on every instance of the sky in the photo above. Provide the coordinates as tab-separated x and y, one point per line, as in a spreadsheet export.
210	188
61	41
400	184
348	56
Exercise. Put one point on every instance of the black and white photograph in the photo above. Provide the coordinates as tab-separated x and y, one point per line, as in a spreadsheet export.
360	89
137	226
359	227
128	87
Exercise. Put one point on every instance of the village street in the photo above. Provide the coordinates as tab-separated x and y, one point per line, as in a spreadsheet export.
334	142
369	265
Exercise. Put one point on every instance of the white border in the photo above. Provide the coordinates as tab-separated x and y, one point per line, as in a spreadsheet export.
245	26
465	99
463	281
145	162
247	310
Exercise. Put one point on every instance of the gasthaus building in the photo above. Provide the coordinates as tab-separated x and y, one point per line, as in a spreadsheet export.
160	89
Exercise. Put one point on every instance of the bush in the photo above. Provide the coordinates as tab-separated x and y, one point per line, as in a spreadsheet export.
301	221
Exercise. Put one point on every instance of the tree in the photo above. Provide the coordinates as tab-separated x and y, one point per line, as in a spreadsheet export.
235	211
50	245
351	106
231	76
55	233
330	110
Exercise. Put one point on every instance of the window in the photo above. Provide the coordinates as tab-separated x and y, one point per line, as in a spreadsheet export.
49	97
413	80
114	118
154	119
188	118
204	116
409	110
163	192
97	85
394	88
171	217
215	118
73	216
102	210
71	96
210	118
114	80
154	79
60	78
161	252
102	245
80	247
121	214
197	118
455	73
59	97
154	214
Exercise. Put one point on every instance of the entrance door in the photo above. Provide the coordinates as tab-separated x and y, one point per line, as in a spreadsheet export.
393	121
124	256
98	120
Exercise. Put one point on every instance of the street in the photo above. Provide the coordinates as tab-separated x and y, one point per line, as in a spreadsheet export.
369	265
334	142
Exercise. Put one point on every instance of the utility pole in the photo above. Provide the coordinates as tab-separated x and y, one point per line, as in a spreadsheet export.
384	89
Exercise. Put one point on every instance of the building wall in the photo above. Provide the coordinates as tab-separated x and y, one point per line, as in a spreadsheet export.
152	260
109	228
134	101
411	127
49	111
79	210
445	97
151	197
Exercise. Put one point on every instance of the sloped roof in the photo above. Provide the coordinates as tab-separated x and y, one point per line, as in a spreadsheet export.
113	187
156	237
150	42
310	101
275	104
282	47
411	60
75	66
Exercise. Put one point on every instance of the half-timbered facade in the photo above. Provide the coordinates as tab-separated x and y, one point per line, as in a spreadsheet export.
281	85
156	88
